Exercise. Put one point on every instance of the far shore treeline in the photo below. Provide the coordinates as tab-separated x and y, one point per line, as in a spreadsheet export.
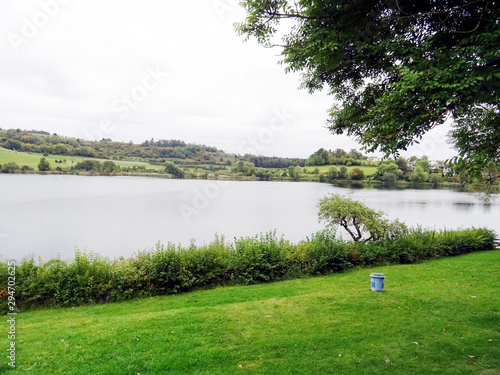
35	151
169	269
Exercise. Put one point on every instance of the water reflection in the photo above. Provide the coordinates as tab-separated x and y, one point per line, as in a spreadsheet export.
464	206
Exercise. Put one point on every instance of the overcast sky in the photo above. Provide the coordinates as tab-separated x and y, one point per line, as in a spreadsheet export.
136	70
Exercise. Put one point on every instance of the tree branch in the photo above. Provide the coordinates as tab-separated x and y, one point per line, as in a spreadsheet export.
294	15
445	11
343	223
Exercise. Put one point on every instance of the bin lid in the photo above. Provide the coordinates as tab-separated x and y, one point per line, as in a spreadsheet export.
376	274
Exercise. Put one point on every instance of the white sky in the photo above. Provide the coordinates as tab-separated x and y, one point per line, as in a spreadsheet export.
136	70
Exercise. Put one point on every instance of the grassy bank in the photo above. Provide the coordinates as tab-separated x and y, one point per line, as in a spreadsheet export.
438	317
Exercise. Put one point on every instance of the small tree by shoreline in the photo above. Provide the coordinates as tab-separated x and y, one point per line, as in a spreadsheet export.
361	222
44	165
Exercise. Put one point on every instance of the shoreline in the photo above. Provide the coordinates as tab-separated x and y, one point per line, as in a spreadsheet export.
455	186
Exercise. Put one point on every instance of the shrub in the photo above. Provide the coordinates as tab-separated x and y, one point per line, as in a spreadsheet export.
88	165
90	278
417	245
388	172
258	259
43	165
464	241
323	253
10	167
87	278
130	278
25	168
4	275
372	253
93	277
30	288
174	170
356	174
206	265
163	268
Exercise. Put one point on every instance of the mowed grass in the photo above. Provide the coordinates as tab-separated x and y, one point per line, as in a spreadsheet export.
32	159
439	317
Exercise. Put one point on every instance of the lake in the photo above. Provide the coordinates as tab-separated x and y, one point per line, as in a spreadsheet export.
50	216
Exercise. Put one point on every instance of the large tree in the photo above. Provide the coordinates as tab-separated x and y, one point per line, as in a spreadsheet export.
395	68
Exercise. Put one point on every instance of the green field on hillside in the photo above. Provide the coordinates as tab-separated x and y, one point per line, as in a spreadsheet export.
32	159
439	317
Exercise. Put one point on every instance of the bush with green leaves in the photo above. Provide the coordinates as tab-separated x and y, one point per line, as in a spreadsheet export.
464	241
43	165
4	279
167	269
109	167
163	268
174	170
87	278
421	244
419	175
258	259
322	253
206	265
10	167
356	174
88	165
130	278
388	172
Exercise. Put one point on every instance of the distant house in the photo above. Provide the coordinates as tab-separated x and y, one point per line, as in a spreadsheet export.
373	159
436	164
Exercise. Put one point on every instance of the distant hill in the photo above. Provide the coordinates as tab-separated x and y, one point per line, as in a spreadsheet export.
35	151
156	152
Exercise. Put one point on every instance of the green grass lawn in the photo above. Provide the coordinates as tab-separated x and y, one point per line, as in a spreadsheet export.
32	159
439	317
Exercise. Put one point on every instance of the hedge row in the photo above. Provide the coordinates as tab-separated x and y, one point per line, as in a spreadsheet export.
167	269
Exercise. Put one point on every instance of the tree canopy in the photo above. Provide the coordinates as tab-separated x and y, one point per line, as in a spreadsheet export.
361	222
395	68
43	165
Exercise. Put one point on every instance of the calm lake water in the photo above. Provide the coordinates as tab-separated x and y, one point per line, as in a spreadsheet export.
50	216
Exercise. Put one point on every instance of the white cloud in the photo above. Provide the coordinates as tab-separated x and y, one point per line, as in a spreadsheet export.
82	57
